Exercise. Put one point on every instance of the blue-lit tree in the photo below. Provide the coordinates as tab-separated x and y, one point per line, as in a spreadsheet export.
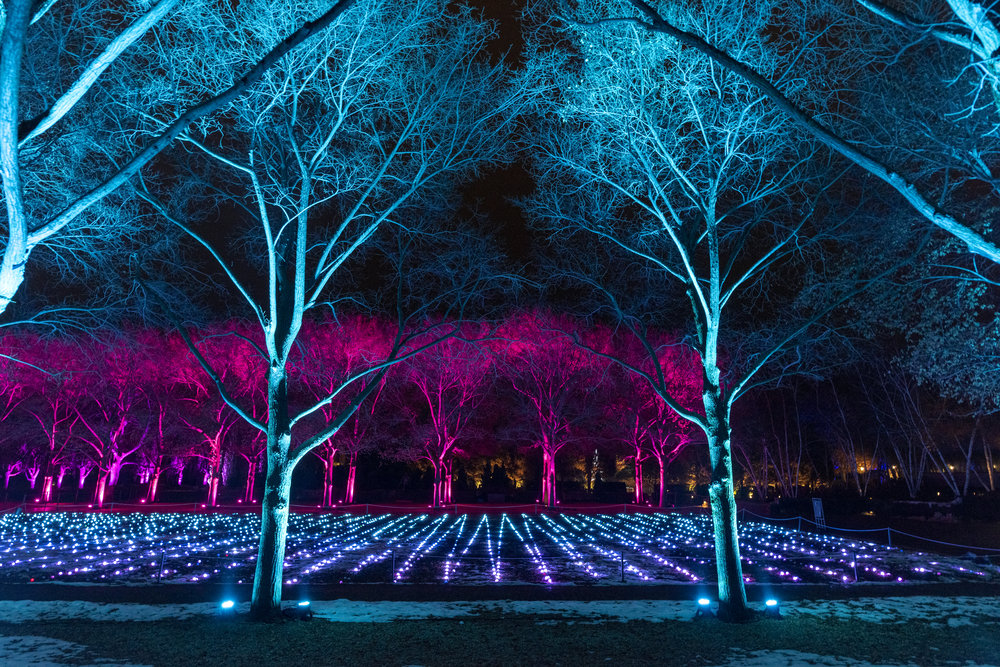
702	196
978	39
65	144
356	137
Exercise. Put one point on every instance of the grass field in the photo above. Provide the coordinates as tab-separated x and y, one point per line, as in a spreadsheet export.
965	631
518	641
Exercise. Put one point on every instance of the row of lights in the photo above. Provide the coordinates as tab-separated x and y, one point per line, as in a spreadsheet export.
179	547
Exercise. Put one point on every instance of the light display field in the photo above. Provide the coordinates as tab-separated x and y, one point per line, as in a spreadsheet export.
465	549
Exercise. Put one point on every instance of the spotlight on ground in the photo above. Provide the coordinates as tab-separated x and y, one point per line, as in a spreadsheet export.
301	611
704	608
227	608
771	609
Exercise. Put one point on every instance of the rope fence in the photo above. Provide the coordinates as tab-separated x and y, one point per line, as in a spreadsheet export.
888	530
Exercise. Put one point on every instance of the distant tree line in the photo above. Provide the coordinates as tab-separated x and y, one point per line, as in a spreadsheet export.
510	403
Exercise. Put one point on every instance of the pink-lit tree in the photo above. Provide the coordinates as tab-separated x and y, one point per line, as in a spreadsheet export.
113	406
557	381
164	438
448	383
12	383
50	406
231	349
164	441
651	428
334	350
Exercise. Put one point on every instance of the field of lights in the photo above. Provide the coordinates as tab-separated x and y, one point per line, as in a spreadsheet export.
466	549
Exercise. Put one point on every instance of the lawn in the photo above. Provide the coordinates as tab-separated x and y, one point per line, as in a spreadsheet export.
891	631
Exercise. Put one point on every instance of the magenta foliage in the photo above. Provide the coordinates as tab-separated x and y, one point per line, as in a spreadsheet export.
138	402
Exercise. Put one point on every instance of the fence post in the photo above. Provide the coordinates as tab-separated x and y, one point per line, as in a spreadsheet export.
159	575
622	554
888	532
854	560
392	572
800	524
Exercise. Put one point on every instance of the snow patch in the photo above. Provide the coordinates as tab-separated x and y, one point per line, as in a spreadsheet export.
789	658
937	611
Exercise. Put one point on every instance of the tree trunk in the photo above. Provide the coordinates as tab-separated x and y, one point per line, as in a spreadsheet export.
101	489
114	470
213	490
729	569
351	470
640	496
988	456
154	482
47	489
84	473
265	603
663	479
251	474
447	482
328	470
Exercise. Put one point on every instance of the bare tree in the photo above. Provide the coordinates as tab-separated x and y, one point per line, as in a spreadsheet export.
557	383
701	196
444	388
646	17
366	126
64	67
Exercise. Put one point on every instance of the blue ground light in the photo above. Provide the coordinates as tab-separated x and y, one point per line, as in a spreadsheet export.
549	549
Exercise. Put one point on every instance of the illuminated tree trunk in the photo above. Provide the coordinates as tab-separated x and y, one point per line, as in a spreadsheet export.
213	491
154	482
352	468
248	487
436	489
32	472
548	477
265	602
114	470
446	482
662	467
640	496
328	456
988	455
729	569
101	489
47	489
84	473
13	469
266	599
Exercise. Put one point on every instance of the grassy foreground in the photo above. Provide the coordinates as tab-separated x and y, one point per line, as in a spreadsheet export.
523	640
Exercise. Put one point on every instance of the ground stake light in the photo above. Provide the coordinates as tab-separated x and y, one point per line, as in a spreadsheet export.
771	609
301	611
704	608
